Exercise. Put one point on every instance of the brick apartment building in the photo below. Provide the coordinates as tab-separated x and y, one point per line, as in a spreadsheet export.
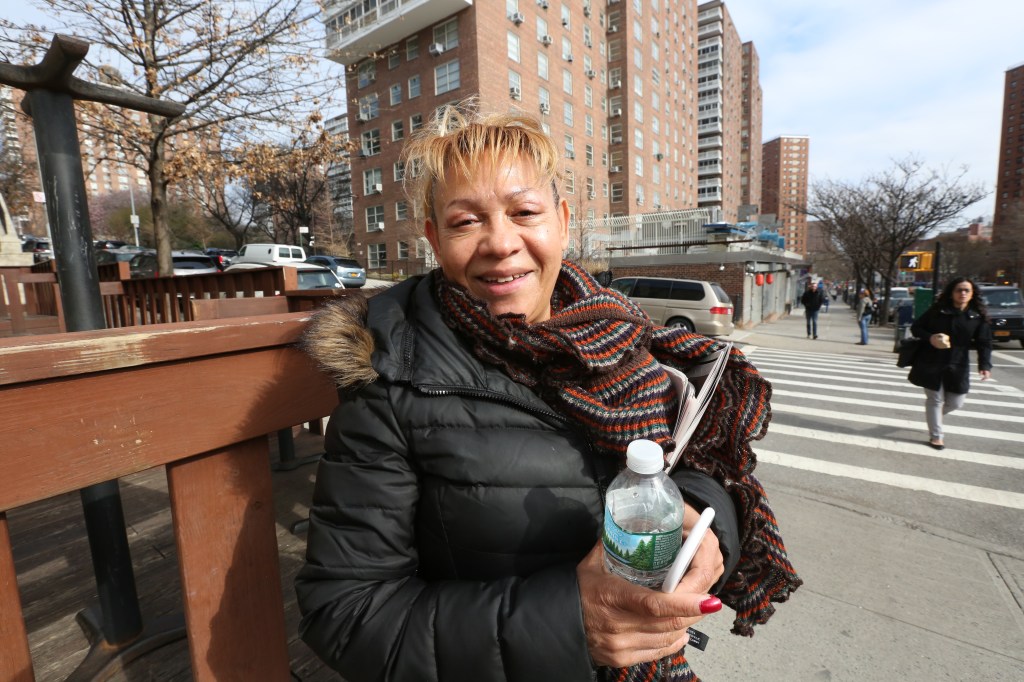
1009	211
784	179
105	164
615	83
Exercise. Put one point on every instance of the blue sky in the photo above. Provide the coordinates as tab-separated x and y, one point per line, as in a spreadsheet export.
873	81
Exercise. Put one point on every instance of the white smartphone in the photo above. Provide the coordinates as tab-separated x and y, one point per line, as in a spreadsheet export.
687	551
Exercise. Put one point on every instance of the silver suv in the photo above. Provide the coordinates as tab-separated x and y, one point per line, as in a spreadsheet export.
694	305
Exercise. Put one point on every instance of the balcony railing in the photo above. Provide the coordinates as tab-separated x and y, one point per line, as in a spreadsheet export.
357	28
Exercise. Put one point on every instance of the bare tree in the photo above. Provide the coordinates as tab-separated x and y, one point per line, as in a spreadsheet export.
241	68
875	221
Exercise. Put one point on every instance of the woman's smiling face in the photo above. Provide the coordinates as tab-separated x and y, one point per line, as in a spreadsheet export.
501	235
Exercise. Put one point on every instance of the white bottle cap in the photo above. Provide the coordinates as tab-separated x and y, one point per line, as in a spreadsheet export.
645	457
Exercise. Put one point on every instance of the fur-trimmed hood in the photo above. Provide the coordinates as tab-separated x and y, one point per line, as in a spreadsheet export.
338	340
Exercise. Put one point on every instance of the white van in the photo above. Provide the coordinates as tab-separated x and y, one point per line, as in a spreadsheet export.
276	254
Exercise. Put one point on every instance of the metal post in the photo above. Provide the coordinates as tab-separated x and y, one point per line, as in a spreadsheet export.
56	132
936	261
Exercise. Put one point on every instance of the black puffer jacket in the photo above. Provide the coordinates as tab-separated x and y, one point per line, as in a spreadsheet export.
450	510
950	368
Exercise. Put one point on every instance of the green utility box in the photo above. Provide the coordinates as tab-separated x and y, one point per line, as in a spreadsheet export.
923	299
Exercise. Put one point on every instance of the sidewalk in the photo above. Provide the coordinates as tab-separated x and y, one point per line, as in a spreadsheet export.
883	598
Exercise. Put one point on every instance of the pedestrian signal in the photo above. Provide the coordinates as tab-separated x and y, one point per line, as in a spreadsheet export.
916	261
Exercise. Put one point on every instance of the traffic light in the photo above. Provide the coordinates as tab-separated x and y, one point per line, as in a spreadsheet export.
916	261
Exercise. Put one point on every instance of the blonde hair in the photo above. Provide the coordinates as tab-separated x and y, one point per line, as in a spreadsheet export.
459	137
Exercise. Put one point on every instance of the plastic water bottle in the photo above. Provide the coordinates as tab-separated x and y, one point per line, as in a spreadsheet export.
643	517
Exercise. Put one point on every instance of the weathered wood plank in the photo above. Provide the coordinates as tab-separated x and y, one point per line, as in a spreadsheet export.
43	357
223	510
125	422
15	662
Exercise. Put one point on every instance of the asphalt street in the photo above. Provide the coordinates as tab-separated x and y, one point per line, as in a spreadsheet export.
912	558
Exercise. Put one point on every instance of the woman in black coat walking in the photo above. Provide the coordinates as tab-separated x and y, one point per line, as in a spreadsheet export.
957	322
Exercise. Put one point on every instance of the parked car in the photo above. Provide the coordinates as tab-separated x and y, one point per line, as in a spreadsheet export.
898	296
1005	310
694	305
348	270
124	253
144	265
275	254
109	244
310	276
39	247
222	257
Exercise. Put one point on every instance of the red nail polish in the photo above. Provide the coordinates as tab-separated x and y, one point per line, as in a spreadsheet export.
711	605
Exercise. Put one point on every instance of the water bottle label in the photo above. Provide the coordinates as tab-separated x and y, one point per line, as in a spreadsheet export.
642	551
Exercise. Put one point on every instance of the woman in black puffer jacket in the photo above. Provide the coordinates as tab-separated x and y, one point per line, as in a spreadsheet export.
957	322
484	409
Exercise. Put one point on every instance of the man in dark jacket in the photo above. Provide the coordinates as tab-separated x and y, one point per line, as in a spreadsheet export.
812	300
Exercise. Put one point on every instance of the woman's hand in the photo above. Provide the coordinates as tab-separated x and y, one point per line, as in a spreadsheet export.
627	623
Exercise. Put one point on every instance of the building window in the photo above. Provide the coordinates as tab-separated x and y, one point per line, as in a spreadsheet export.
403	250
415	122
616	192
542	65
638	58
447	33
370	142
588	124
567	115
566	17
513	46
397	131
414	87
542	28
589	151
412	48
401	210
374	218
394	59
515	83
545	97
396	94
570	182
638	138
399	171
376	256
638	112
566	49
567	81
367	73
371	180
588	96
638	166
570	147
369	107
446	77
511	7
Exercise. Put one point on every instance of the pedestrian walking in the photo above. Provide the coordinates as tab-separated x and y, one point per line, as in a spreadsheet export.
956	322
454	531
824	294
865	309
812	299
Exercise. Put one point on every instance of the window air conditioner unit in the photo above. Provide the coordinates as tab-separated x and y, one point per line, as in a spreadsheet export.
592	195
545	108
616	169
517	18
547	40
639	201
565	22
590	73
586	10
616	140
659	156
570	155
543	4
616	112
587	43
436	48
568	57
616	84
613	29
362	117
378	188
376	227
515	93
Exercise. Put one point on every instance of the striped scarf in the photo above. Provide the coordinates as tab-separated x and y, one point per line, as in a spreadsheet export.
597	361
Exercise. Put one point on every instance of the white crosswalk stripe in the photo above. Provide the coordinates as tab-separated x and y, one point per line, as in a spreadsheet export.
857	417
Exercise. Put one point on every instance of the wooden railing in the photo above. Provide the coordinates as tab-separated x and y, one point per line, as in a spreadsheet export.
30	297
66	422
